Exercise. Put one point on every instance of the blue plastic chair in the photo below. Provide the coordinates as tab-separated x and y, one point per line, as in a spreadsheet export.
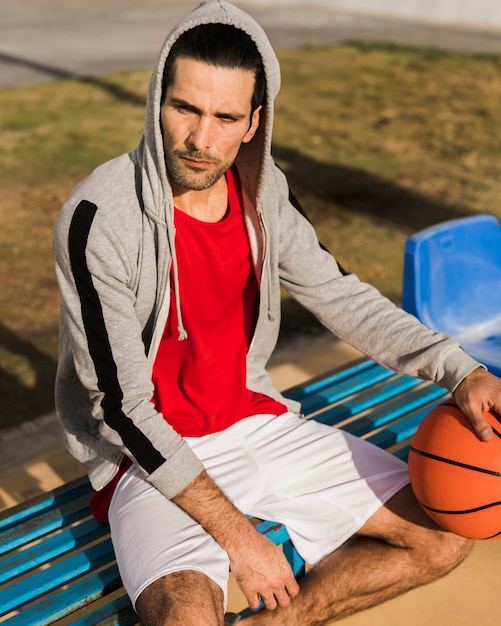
452	283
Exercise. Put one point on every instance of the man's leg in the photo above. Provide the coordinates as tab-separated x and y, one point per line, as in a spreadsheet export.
173	571
181	599
399	548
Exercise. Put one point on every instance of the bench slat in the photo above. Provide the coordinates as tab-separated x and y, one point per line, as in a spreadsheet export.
47	522
275	532
342	389
53	608
365	400
395	409
118	611
60	573
57	498
303	391
398	432
52	548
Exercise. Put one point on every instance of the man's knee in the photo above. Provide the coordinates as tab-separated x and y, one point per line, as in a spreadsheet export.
181	599
402	523
442	551
447	551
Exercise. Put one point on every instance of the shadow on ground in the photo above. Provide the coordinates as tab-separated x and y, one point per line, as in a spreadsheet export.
359	190
118	92
22	401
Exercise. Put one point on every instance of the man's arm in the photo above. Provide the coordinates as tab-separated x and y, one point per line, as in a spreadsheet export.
258	565
479	393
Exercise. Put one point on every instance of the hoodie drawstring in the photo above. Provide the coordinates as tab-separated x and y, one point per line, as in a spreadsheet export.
180	326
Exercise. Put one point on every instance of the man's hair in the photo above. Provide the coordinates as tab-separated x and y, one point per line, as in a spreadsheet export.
221	45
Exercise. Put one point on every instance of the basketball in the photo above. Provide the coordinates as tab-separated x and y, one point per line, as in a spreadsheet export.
455	476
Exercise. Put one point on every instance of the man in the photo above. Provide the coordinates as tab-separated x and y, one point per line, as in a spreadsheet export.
170	261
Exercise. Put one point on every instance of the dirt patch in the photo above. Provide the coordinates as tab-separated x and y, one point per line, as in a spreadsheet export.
29	298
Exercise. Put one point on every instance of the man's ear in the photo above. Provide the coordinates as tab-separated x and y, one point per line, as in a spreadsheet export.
254	125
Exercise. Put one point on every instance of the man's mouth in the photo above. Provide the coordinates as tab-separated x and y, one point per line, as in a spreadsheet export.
196	162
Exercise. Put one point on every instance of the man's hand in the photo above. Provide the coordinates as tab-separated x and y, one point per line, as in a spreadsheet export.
262	572
479	393
258	565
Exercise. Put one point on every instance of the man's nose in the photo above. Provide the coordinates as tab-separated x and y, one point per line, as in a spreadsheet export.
201	135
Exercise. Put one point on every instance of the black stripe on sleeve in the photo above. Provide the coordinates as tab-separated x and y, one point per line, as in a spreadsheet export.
99	344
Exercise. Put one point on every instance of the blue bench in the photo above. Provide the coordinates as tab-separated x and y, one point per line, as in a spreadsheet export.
57	562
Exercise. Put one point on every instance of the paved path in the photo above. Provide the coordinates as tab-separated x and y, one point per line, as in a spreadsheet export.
42	40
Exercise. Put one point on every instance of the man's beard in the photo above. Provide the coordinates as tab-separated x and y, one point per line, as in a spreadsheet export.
192	178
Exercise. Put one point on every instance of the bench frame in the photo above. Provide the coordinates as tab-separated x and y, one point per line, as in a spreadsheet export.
57	561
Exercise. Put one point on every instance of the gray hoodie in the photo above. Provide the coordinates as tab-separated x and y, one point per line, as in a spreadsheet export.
114	250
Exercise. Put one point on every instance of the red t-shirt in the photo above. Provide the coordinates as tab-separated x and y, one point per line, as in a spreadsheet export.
200	382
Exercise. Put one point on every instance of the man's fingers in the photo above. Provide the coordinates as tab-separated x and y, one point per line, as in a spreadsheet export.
292	588
284	594
270	602
482	428
280	598
478	393
264	574
254	601
284	597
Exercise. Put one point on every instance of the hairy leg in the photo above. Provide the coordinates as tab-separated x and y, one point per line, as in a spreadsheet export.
399	548
187	598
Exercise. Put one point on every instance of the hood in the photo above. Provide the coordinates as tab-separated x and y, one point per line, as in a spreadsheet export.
251	160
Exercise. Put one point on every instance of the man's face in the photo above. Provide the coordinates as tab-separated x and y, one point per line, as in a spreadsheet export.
206	116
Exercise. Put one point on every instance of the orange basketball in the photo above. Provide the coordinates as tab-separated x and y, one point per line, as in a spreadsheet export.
455	476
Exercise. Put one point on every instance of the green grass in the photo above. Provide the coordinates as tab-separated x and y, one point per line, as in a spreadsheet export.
382	140
378	141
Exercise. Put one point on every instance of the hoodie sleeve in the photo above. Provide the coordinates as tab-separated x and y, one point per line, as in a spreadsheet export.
356	312
96	268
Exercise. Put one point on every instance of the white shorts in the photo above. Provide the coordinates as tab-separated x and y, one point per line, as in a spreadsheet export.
321	483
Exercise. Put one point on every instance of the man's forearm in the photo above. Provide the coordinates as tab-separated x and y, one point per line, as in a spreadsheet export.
203	500
258	565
